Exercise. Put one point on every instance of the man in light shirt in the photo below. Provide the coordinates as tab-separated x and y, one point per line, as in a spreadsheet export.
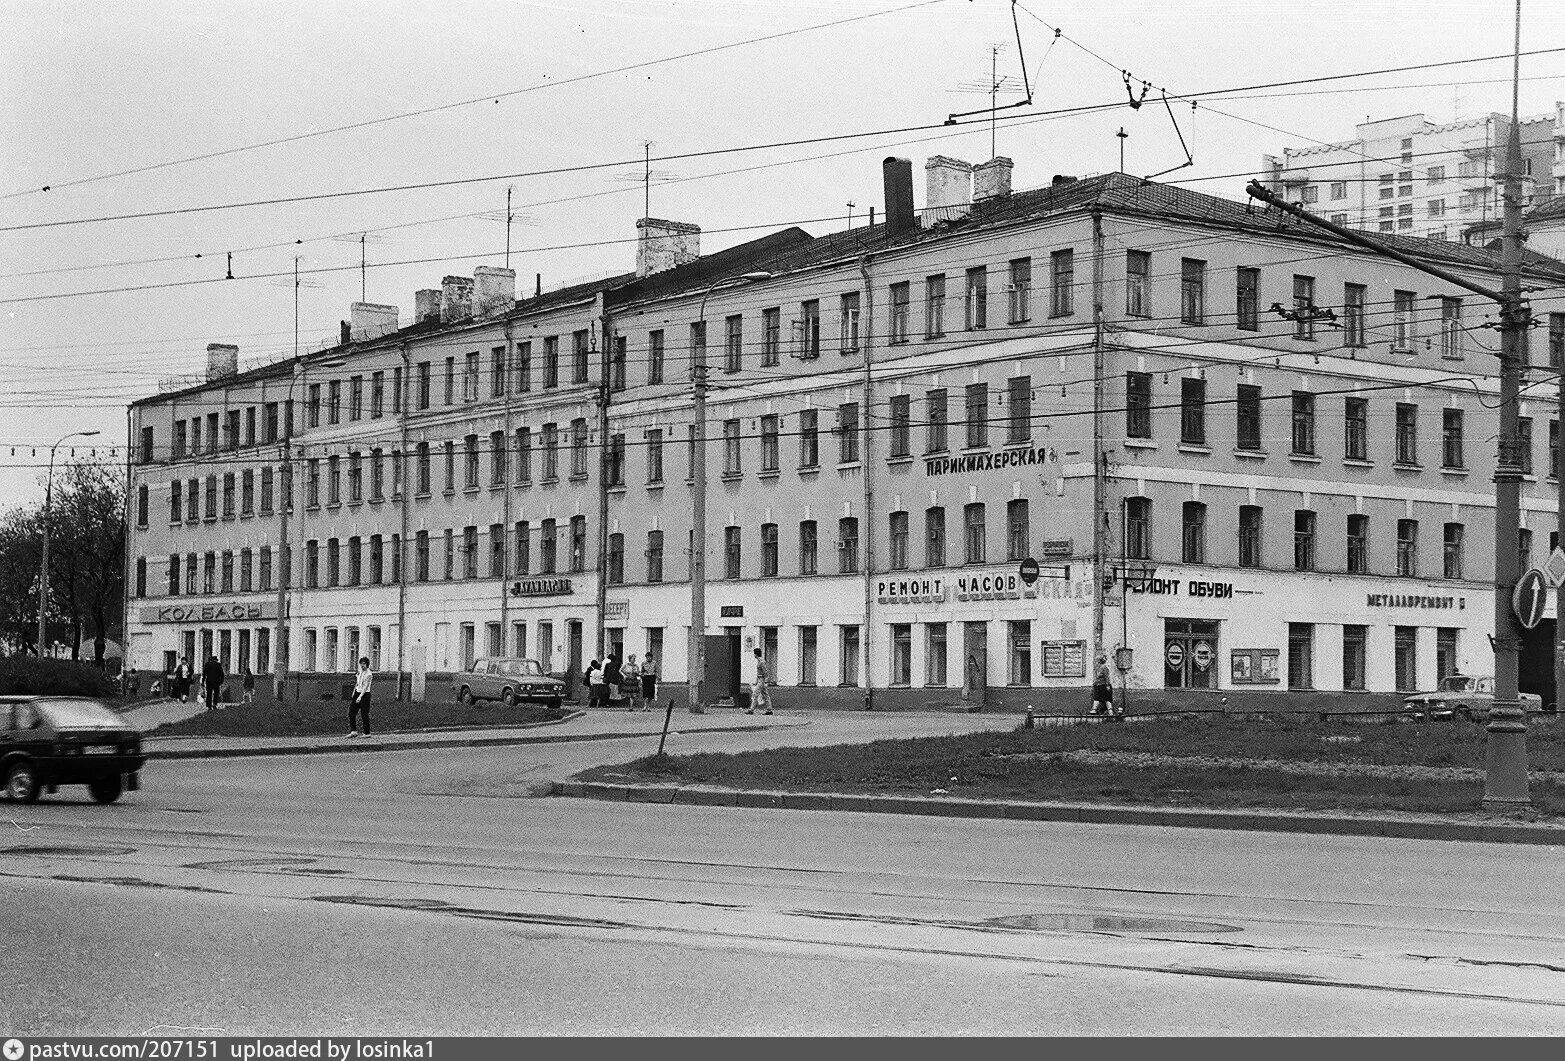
361	699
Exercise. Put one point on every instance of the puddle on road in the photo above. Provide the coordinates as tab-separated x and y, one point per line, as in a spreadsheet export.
81	850
136	882
438	906
1130	926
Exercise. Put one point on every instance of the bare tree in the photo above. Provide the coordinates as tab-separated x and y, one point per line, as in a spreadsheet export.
21	540
87	551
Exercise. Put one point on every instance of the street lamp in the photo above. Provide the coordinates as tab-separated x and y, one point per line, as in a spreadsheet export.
697	676
43	566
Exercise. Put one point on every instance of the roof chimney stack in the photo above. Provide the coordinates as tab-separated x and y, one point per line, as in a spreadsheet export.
222	361
948	190
370	320
456	298
665	244
992	179
426	305
494	290
897	176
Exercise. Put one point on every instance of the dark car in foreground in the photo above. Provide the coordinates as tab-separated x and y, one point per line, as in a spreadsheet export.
1466	695
509	680
49	741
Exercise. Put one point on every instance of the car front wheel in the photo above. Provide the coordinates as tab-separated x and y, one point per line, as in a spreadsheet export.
465	696
508	698
106	789
21	784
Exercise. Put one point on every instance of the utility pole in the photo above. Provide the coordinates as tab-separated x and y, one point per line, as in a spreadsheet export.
1100	582
600	330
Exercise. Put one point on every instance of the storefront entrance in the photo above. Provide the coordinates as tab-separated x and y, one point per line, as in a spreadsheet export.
1190	654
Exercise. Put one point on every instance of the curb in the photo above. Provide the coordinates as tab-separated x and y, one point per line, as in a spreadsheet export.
1016	810
362	745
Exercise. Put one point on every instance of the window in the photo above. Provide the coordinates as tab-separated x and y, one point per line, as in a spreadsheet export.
900	297
848	545
1019	406
175	509
901	654
211	497
1407	548
548	547
1554	449
848	337
1062	283
901	431
422	371
141	503
697	346
848	433
935	537
935	415
192	573
579	356
1138	405
1445	652
333	562
768	550
1355	652
731	553
469	552
974	533
896	534
1451	328
1301	653
1556	339
1138	528
1194	537
228	495
1407	433
808	547
1019	300
1138	284
470	462
1523	443
1524	548
654	450
1249	536
182	437
450	555
1403	322
246	496
1406	655
616	559
1355	428
771	337
378	394
1453	550
615	472
1304	306
1358	544
655	556
579	448
1192	411
551	361
1353	296
1192	291
1309	194
356	398
266	491
1303	423
1248	413
1018	531
935	306
977	414
809	439
1339	189
521	563
733	343
1303	540
810	329
1451	451
654	356
807	654
850	655
1248	299
421	556
976	299
578	543
731	451
934	655
617	364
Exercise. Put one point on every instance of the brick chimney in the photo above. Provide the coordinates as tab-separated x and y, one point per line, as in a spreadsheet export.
494	290
664	244
426	305
456	298
222	360
948	190
897	178
369	320
992	179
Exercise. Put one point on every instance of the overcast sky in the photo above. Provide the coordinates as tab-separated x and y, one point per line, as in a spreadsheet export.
95	88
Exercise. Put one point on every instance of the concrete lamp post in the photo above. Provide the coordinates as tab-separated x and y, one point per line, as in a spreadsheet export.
43	564
697	673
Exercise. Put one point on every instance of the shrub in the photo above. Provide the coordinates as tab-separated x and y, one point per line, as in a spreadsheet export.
23	675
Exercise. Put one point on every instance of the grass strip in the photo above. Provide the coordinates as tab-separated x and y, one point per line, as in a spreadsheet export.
330	719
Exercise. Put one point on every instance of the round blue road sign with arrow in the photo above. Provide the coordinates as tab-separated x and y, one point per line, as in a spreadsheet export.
1528	598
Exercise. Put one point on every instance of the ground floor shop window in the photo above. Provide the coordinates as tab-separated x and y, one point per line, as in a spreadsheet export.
519	640
850	655
1020	633
935	654
1355	640
263	650
769	650
225	650
492	639
351	660
807	647
655	645
242	657
310	647
1445	652
902	654
1301	655
469	646
1406	653
546	645
329	656
374	648
1189	649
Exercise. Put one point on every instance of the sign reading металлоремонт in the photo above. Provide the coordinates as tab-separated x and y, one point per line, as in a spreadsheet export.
210	612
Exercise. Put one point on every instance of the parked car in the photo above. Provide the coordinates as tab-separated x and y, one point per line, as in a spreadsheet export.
49	741
508	680
1467	695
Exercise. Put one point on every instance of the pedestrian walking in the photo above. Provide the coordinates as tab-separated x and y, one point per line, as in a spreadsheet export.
649	680
212	677
597	690
630	681
359	706
248	683
1102	688
611	679
180	686
132	685
760	697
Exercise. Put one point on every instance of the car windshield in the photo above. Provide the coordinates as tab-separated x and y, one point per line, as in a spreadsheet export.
529	667
1459	683
79	714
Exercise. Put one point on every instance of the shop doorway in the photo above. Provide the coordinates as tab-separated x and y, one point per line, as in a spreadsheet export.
1190	654
1535	670
722	666
573	660
975	662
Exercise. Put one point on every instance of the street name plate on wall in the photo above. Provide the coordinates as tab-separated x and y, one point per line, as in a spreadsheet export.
731	611
210	612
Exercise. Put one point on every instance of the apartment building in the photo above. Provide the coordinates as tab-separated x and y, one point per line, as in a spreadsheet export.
1254	457
1414	177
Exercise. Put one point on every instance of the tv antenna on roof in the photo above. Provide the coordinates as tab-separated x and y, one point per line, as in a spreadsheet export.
363	239
998	83
296	282
510	218
647	177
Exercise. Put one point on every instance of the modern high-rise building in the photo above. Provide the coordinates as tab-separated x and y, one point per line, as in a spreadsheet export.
1239	455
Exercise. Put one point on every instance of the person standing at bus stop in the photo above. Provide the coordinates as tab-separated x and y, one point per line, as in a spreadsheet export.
1102	688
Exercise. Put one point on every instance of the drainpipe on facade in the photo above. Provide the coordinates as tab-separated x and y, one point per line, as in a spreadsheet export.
601	333
1099	477
404	404
868	533
505	525
130	563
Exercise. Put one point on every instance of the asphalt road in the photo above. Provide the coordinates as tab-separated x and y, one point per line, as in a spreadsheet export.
422	892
